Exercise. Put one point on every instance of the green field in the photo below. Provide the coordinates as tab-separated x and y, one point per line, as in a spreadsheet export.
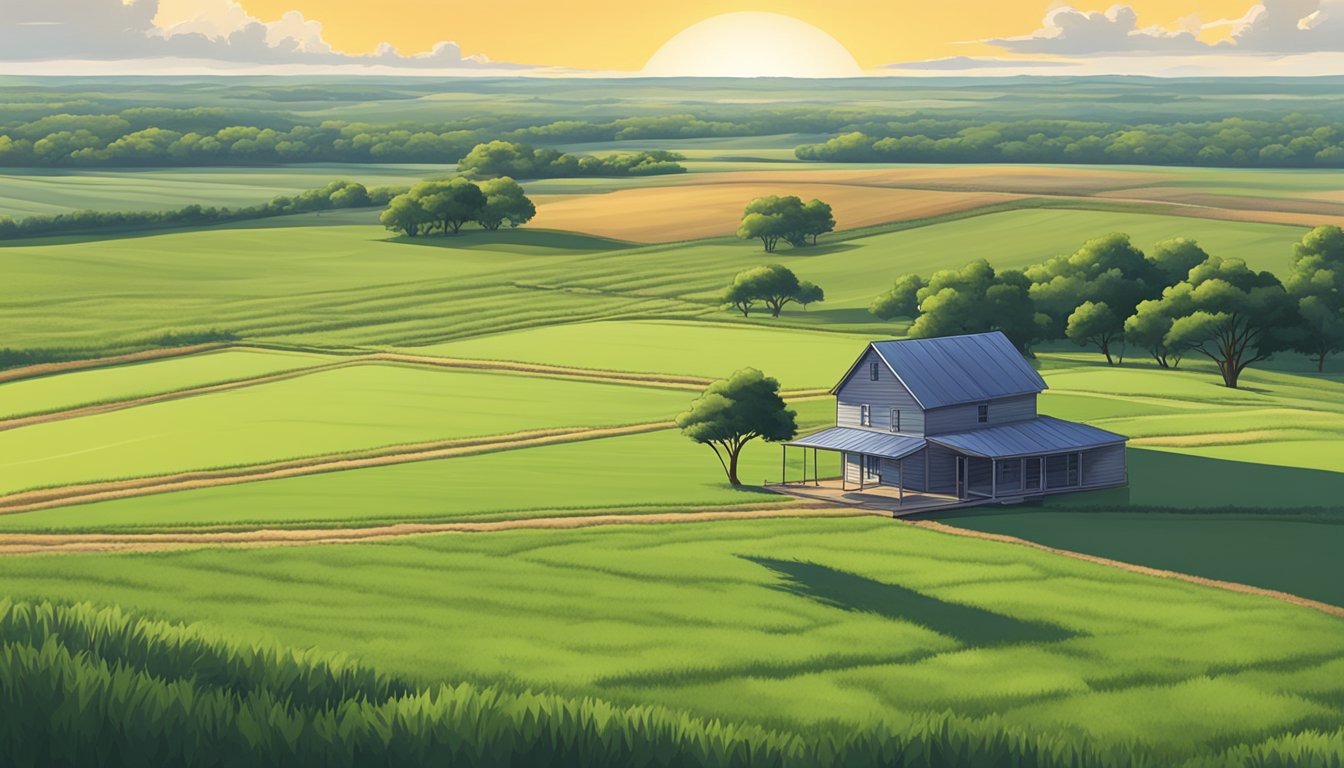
783	622
328	412
321	279
124	382
799	359
24	192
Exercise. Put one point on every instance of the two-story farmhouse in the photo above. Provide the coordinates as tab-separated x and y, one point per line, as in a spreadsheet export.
956	417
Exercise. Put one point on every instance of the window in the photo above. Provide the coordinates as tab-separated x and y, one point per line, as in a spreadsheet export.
982	415
895	419
872	468
872	371
865	416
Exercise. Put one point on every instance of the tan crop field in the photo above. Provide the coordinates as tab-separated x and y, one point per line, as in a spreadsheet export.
712	209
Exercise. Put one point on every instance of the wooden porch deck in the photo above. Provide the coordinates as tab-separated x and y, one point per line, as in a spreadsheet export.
879	498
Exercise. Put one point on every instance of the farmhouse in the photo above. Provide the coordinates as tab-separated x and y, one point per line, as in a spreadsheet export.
956	417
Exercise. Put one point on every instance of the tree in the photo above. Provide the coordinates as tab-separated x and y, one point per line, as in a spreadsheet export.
734	411
451	204
808	293
740	296
1095	323
1148	328
773	284
1174	259
505	201
774	218
405	214
1316	284
976	299
1230	314
1107	270
901	301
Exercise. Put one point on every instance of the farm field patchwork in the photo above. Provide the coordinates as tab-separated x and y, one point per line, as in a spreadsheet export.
859	621
327	412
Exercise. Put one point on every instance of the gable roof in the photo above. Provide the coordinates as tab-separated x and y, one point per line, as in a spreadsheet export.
957	369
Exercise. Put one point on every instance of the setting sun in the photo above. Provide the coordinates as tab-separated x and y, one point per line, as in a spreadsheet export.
752	44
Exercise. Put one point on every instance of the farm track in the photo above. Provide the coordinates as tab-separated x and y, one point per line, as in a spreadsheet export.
1230	586
37	543
64	496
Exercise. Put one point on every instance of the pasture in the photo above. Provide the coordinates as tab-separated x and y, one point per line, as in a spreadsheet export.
779	622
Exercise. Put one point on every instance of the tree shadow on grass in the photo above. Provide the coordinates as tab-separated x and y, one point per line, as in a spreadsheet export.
967	624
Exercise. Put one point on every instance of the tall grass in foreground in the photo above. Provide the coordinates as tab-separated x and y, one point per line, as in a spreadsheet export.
83	686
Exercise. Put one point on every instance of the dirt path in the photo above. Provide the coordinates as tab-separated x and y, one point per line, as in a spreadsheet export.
37	543
1230	586
31	501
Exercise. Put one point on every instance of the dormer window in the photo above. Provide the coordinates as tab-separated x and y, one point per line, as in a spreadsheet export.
872	371
982	414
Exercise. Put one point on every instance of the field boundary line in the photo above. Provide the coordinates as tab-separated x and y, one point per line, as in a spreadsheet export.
1229	586
68	366
71	495
47	543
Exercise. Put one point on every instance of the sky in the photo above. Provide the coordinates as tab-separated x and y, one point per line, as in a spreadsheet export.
884	37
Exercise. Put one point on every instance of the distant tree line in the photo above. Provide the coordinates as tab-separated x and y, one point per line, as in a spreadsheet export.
447	206
1295	141
1175	300
507	158
335	195
773	218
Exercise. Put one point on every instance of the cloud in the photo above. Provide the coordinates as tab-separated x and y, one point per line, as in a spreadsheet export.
1270	27
215	30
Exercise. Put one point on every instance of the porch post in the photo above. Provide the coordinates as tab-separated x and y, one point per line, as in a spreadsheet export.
863	469
783	463
927	489
900	481
994	478
844	470
816	478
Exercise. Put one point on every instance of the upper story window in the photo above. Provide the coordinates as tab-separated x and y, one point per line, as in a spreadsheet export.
895	419
865	416
872	371
982	413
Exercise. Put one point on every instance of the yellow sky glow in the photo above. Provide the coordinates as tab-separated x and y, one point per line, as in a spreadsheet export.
611	35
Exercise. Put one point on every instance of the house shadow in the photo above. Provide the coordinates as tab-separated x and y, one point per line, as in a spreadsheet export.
967	624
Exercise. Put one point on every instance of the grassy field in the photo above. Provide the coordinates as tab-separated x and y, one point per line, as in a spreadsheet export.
328	412
124	382
787	622
798	358
24	192
328	280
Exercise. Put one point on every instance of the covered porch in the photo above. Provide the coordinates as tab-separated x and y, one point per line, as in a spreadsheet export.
880	468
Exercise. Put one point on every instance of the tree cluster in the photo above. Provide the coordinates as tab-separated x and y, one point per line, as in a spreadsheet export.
507	158
772	285
337	194
447	206
1295	141
1170	302
774	218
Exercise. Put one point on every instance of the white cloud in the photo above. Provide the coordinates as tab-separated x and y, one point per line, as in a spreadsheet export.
1273	26
210	30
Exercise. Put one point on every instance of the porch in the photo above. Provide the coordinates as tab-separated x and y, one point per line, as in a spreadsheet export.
892	500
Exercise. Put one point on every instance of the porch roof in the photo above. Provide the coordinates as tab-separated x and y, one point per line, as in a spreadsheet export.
862	441
1041	435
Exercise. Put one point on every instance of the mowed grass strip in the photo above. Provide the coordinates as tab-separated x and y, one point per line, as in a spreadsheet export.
332	411
114	383
798	358
783	621
652	472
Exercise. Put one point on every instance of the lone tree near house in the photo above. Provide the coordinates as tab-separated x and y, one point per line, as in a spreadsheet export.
735	411
1316	284
773	285
774	218
1095	323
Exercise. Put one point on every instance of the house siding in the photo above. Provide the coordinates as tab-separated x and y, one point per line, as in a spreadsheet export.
1104	466
966	416
914	471
881	396
942	470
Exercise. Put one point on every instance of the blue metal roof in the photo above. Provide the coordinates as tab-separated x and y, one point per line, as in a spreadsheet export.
960	369
1043	434
862	441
